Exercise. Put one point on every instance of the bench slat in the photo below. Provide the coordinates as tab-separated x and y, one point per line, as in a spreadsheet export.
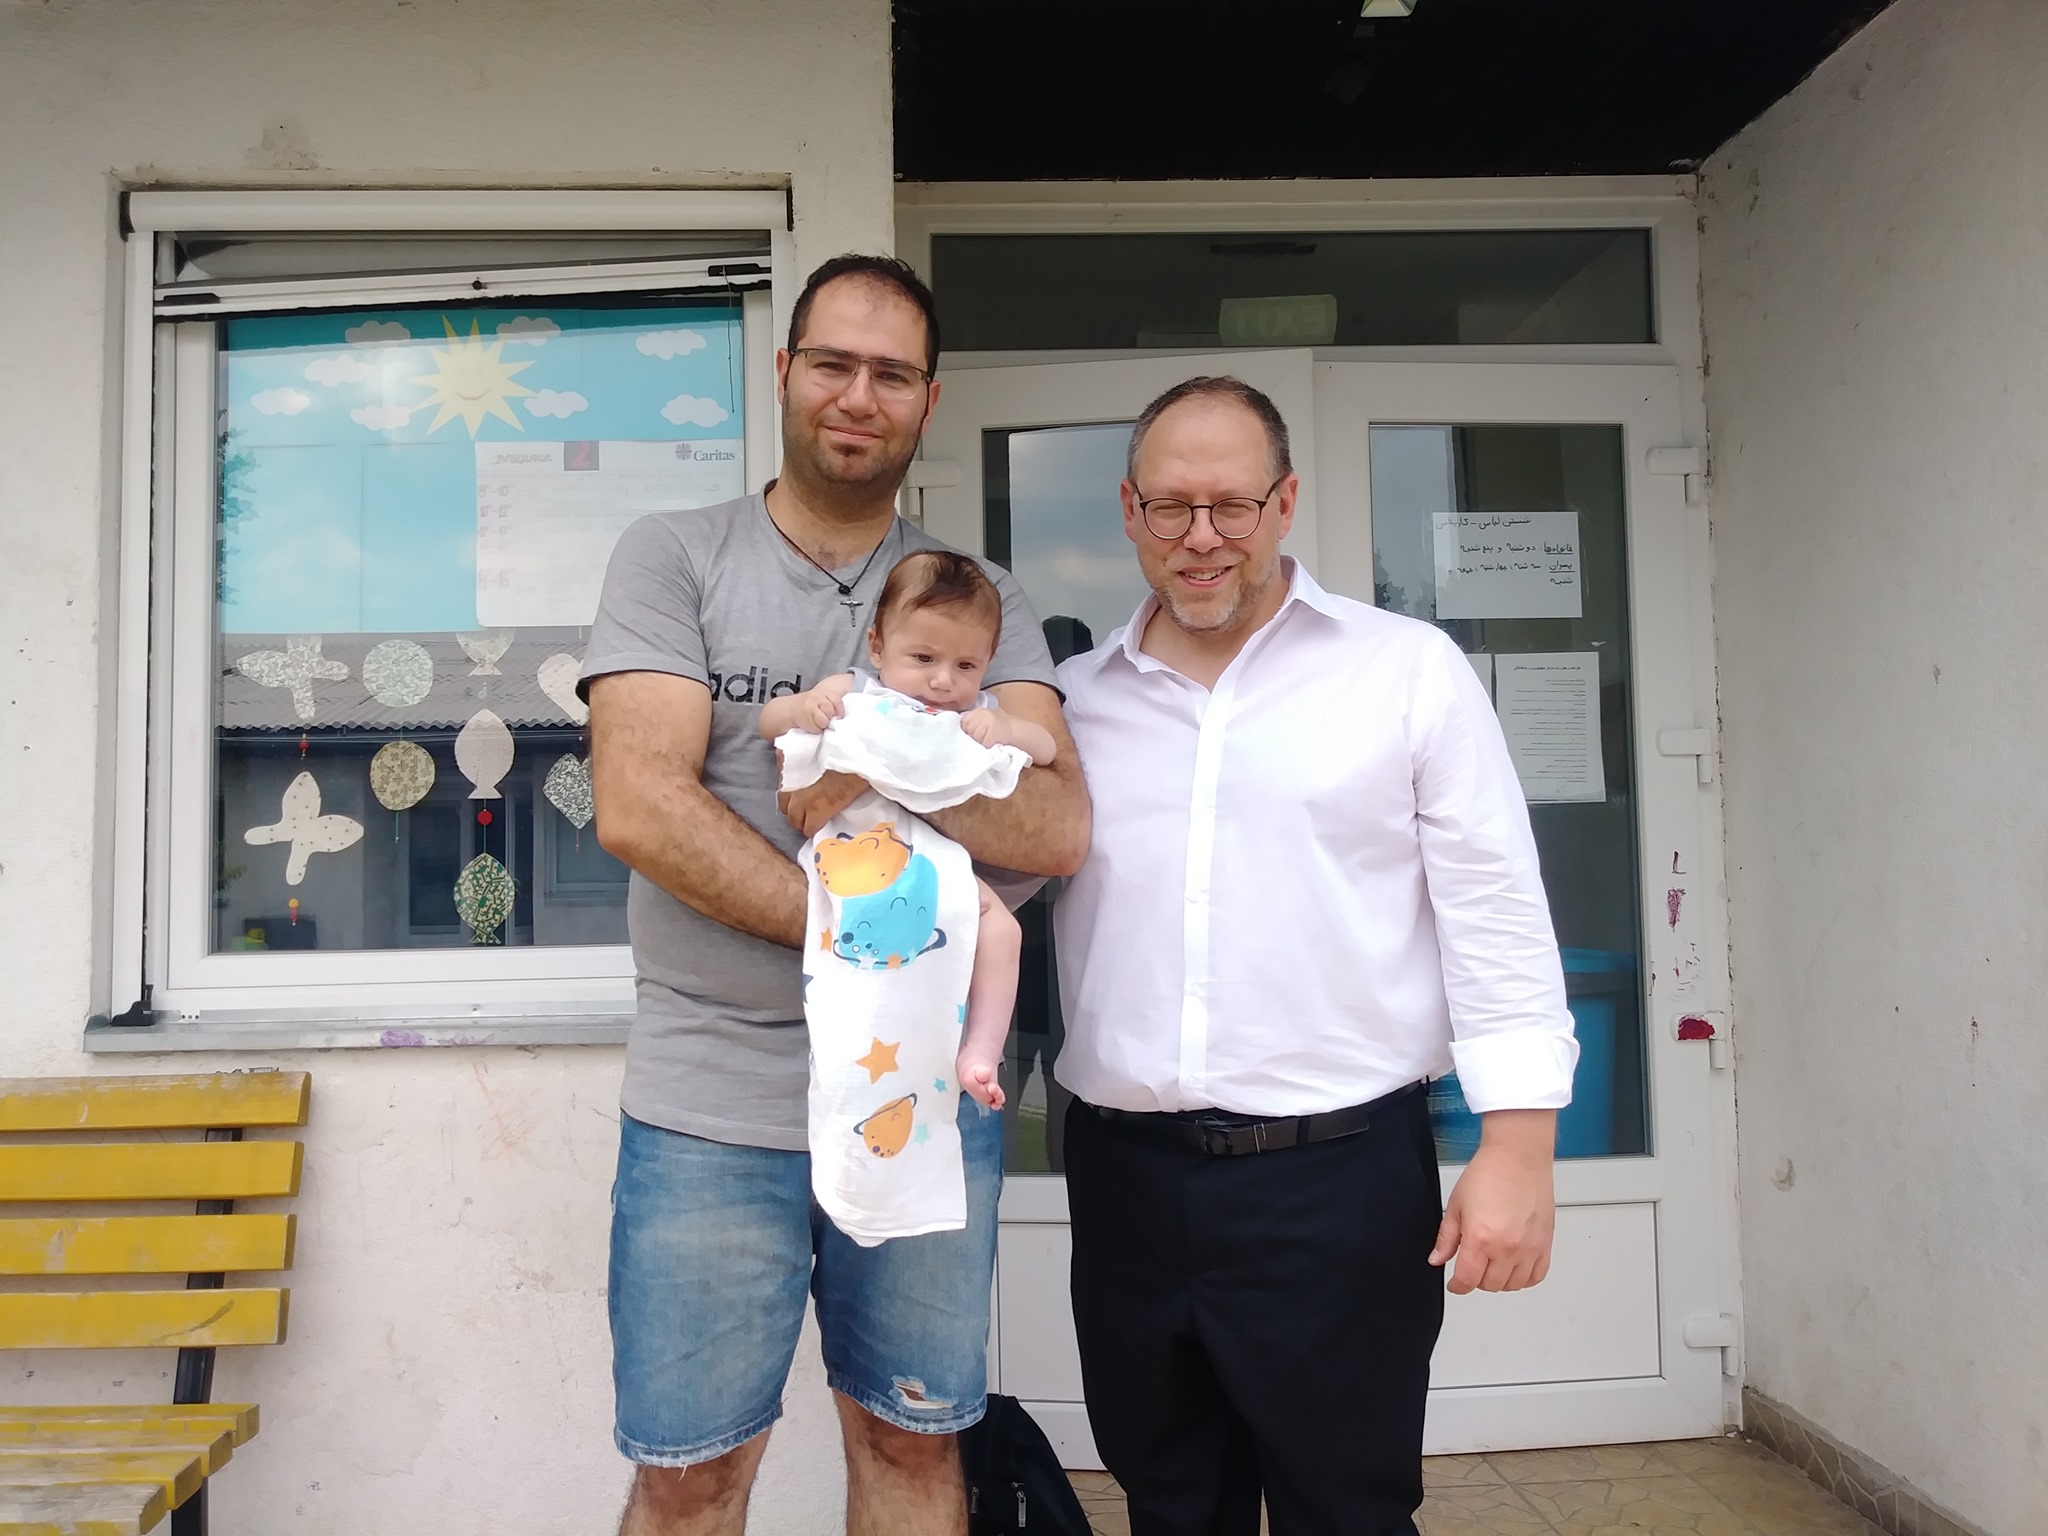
82	1509
215	1443
177	1473
242	1418
144	1245
143	1103
186	1170
142	1319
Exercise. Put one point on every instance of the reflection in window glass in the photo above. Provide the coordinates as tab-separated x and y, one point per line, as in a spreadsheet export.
1052	516
1521	532
415	511
1363	289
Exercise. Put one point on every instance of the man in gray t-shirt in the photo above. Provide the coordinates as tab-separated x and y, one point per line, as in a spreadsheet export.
706	615
719	597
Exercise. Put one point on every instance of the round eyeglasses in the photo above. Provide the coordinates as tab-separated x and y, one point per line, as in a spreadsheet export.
888	376
1234	517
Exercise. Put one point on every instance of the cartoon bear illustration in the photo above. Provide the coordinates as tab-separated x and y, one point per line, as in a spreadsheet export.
887	1130
887	898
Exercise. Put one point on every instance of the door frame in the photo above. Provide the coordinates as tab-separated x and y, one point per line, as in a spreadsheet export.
1664	205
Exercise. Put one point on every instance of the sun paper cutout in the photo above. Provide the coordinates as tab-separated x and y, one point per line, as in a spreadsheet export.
470	380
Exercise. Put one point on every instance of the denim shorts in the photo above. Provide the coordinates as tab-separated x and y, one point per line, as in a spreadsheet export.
713	1248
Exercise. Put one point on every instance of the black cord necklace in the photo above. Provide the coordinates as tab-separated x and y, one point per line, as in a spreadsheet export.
847	601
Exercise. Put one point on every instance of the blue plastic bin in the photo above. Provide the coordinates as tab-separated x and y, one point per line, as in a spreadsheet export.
1585	1127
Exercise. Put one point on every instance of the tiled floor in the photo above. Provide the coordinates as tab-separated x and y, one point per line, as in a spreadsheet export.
1674	1488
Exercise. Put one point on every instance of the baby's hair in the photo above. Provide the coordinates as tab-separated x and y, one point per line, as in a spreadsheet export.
939	578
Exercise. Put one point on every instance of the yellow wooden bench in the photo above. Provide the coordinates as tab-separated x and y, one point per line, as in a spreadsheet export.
116	1469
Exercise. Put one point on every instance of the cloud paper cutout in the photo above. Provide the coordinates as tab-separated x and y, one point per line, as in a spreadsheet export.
381	418
532	329
371	331
338	368
556	402
694	411
671	344
283	401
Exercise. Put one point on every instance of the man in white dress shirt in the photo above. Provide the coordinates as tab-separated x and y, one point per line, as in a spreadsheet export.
1312	887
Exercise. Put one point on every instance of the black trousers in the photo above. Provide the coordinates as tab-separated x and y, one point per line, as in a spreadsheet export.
1258	1325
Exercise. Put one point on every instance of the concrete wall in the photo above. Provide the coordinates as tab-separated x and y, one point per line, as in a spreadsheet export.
1876	314
448	1365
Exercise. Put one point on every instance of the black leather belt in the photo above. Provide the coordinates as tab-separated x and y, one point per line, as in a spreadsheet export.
1221	1134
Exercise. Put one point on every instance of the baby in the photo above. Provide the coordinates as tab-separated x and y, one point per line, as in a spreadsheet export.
934	635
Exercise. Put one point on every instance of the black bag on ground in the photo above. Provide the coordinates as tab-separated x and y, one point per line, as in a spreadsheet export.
1014	1479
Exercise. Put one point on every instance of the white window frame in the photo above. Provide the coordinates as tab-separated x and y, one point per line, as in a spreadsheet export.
162	974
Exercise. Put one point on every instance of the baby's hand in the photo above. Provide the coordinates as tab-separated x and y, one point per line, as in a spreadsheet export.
979	1079
825	703
984	726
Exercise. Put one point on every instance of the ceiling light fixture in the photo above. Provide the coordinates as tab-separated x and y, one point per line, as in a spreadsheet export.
1376	9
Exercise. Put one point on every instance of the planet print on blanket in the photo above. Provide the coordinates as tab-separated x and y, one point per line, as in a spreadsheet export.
886	898
887	1131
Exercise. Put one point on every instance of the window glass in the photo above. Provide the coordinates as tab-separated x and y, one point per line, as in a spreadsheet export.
415	508
1513	540
1383	288
1051	515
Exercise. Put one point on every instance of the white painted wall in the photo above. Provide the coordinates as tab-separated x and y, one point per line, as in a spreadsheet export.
448	1366
1876	313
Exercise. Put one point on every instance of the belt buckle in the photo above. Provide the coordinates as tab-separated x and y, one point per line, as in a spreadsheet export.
1234	1140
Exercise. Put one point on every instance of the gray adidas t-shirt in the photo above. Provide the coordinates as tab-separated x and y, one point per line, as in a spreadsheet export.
718	1047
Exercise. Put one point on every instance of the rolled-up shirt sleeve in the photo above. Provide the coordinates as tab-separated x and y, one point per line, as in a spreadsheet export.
1511	1033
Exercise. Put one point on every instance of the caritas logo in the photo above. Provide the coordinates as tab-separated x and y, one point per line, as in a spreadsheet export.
705	453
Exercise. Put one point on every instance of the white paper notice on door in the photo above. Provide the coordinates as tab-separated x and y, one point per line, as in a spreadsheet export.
1549	707
548	514
1507	565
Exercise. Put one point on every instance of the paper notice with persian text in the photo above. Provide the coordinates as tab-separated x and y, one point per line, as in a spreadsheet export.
1549	708
548	514
1507	565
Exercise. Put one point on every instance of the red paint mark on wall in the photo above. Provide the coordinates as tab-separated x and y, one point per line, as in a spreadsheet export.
1693	1027
1673	900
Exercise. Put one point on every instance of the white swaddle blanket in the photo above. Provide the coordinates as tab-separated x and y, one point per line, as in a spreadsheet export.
893	916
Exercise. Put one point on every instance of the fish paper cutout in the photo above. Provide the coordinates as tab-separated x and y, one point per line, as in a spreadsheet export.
484	753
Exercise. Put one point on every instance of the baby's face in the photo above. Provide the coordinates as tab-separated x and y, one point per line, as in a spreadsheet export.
936	655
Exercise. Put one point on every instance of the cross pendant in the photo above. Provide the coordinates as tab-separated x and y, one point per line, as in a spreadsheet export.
853	607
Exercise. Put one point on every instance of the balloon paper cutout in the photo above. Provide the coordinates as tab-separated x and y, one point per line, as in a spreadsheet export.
483	898
295	667
399	673
401	774
302	825
567	787
485	650
557	678
484	752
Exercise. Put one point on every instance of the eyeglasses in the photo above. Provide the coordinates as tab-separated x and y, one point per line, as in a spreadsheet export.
1234	517
890	377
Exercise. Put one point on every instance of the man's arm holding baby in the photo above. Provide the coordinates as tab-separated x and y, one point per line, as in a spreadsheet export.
649	732
1042	829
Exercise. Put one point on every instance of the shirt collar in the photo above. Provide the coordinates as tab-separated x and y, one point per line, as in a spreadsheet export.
1302	588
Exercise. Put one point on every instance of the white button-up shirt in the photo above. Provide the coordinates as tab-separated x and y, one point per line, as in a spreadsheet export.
1309	886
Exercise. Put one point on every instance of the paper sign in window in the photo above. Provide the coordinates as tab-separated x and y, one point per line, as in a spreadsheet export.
548	514
1549	707
1507	565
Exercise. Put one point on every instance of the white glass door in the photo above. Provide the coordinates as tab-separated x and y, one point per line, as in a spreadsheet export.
1513	506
